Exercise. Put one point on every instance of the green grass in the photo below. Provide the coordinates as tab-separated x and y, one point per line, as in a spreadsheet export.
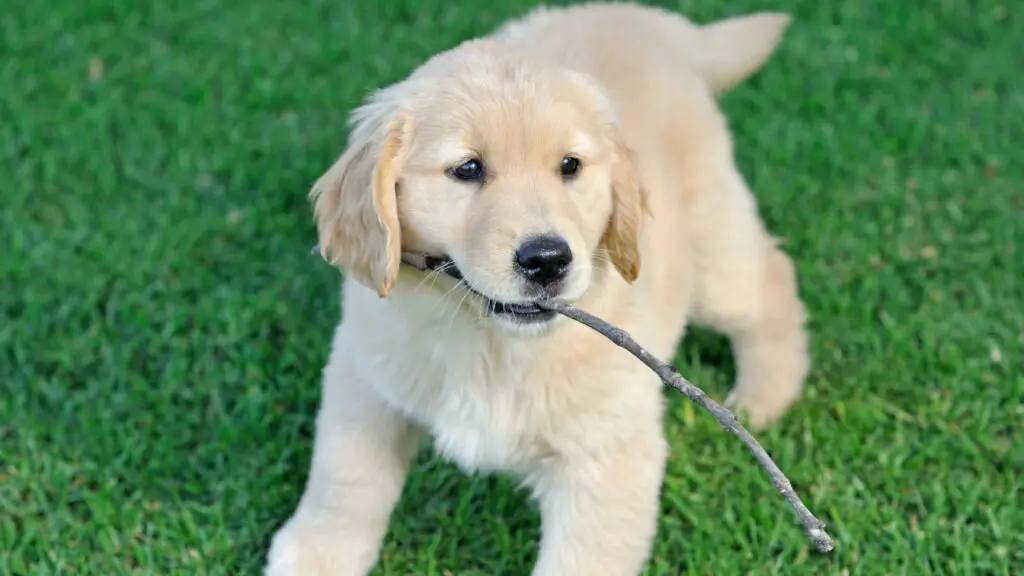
164	324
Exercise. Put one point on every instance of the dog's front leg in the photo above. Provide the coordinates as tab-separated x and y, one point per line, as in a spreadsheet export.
360	460
599	511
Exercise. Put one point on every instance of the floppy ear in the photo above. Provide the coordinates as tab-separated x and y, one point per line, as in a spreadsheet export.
629	203
355	200
622	237
730	50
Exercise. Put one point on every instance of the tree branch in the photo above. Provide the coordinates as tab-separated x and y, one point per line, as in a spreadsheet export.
814	528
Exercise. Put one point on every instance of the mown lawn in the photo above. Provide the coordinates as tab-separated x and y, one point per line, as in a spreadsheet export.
164	323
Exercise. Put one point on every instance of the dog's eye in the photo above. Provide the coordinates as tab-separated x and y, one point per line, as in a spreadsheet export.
469	170
570	166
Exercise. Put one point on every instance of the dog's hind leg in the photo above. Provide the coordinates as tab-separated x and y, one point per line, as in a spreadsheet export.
771	351
746	288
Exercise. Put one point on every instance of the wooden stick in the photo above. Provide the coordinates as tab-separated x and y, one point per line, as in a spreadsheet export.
814	528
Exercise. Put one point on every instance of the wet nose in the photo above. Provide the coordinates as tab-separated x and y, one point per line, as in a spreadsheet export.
544	260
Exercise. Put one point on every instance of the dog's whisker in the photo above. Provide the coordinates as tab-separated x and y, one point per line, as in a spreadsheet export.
488	306
451	317
447	296
460	284
446	299
431	277
434	274
434	277
492	305
466	294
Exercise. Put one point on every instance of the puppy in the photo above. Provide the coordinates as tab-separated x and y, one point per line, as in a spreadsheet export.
575	154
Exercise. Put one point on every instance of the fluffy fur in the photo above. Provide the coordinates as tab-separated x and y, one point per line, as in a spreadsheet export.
664	232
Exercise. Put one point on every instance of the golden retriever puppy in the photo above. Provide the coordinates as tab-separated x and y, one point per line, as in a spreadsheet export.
575	154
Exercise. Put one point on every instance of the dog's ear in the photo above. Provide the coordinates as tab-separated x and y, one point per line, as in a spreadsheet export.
732	49
621	237
355	200
629	204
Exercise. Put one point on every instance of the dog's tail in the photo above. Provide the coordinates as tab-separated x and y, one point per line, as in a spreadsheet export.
728	51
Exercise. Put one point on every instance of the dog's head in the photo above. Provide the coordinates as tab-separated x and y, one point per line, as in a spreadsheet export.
510	171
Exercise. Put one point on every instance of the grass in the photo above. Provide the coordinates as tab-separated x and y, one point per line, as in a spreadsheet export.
164	325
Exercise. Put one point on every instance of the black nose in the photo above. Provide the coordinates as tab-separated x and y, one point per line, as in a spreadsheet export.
544	259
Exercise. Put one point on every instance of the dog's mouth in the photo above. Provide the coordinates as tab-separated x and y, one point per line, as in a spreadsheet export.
518	312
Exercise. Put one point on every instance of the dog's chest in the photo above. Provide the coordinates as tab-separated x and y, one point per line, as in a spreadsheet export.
484	410
484	431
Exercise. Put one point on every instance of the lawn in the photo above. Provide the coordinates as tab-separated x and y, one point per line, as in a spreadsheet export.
164	324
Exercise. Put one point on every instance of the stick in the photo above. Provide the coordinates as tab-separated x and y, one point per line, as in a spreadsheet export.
814	528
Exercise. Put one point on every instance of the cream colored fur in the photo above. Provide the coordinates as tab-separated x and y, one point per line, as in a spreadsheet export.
664	230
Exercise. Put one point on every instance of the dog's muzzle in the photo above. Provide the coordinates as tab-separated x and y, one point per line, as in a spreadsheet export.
523	312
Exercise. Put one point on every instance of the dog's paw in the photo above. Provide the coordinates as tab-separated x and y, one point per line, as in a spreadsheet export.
295	551
759	408
291	555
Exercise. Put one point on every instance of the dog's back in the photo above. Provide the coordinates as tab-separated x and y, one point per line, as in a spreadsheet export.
619	43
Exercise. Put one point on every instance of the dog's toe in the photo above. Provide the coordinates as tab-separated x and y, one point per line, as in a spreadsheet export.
757	408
